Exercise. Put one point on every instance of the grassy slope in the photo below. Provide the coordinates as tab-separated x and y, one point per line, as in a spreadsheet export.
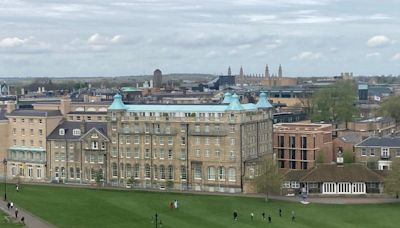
70	207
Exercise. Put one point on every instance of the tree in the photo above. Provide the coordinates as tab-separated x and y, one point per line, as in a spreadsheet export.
335	103
99	178
392	181
269	180
348	157
391	108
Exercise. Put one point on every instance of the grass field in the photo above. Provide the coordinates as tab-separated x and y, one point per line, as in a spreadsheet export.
6	222
73	207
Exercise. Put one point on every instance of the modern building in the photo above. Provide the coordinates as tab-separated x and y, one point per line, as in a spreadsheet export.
157	79
77	152
378	152
302	145
200	147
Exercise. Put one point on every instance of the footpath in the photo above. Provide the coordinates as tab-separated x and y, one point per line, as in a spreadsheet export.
31	221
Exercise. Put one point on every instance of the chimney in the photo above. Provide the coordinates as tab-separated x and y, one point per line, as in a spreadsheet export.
65	105
10	106
83	127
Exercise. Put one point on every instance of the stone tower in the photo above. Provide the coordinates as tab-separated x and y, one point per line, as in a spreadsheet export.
229	71
280	71
267	71
241	72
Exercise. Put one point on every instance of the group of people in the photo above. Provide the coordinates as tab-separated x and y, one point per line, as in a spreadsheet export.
10	206
235	216
174	205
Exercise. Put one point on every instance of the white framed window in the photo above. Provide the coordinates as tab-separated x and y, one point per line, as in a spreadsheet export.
197	152
147	139
217	153
161	140
211	173
170	140
286	184
232	174
147	172
136	152
128	152
295	184
207	141
221	173
76	132
197	140
183	140
363	151
206	128
217	141
183	154
147	153
197	172
162	172
385	152
136	139
183	172
206	153
161	153
95	145
170	154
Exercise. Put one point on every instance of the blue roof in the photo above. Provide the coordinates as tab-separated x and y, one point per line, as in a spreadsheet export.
117	103
235	104
263	102
227	98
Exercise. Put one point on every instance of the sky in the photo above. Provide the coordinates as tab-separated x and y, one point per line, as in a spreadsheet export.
62	38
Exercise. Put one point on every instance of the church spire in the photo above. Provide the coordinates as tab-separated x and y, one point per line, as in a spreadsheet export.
241	72
267	71
280	71
229	71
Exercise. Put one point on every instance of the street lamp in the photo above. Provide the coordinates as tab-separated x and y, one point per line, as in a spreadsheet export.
157	220
5	179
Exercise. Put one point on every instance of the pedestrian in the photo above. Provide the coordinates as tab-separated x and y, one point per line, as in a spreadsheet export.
251	216
16	213
12	205
17	187
171	205
176	204
293	216
269	219
263	215
235	216
280	212
23	220
8	205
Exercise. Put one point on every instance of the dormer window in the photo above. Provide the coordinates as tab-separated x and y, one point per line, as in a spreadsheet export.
61	131
76	132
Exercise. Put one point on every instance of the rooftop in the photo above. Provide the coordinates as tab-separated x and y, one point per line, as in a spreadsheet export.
35	113
375	141
69	126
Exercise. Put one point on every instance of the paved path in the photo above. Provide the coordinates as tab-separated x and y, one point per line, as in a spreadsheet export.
31	221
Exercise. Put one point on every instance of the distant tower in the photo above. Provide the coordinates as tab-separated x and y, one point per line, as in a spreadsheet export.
267	71
229	71
241	72
280	71
157	78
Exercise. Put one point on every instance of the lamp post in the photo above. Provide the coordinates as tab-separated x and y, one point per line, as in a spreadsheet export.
157	220
5	179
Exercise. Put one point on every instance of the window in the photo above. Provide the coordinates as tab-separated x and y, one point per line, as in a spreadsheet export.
183	173
31	142
211	173
136	152
183	127
232	174
100	158
147	139
295	184
217	141
286	184
372	152
161	140
78	173
281	141
170	140
23	142
197	152
207	141
38	172
232	154
23	132
122	171
40	120
23	120
103	145
147	172
14	131
170	172
197	140
162	172
155	171
206	128
31	131
71	172
161	153
57	172
196	128
363	151
197	172
385	153
91	156
146	153
14	142
232	128
95	145
114	152
217	153
92	174
292	141
136	171
136	139
147	128
221	173
170	154
128	170
128	152
232	141
398	153
76	132
183	154
40	143
206	153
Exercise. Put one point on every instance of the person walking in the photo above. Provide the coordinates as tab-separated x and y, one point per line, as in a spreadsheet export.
252	216
235	216
11	205
8	205
17	187
269	219
293	216
263	216
16	213
23	220
280	212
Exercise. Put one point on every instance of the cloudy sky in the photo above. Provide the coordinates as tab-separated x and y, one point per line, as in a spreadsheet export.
121	37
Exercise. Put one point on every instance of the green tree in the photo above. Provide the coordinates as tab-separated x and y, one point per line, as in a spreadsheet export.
99	178
391	108
348	157
269	180
392	181
335	103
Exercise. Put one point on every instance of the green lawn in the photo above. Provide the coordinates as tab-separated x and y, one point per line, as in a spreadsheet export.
72	207
6	222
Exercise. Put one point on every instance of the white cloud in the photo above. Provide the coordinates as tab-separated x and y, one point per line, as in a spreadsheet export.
10	42
211	54
373	55
396	57
379	41
307	55
97	39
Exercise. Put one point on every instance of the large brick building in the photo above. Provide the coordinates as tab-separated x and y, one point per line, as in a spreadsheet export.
301	145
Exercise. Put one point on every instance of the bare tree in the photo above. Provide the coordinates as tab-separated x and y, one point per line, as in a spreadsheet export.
268	179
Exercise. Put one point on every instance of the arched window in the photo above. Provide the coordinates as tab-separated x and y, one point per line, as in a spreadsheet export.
221	173
162	172
183	172
114	170
147	172
232	174
211	173
170	172
136	171
122	172
71	172
155	171
128	169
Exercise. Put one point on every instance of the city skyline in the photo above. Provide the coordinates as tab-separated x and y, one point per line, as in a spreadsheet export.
89	38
